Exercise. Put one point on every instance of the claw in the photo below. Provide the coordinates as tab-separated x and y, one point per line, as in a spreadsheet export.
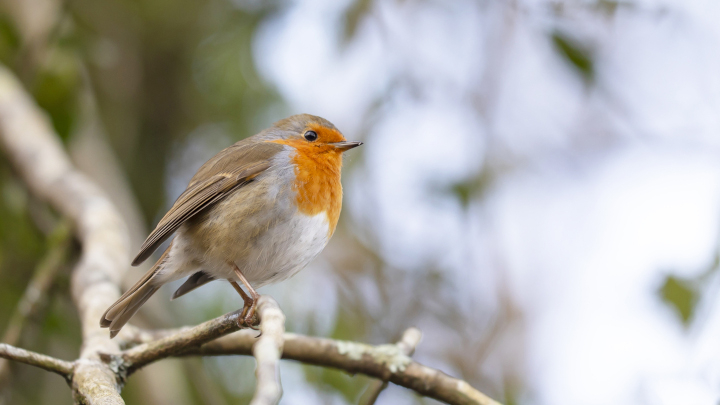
250	319
241	319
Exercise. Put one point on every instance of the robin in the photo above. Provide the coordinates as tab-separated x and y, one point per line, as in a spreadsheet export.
256	213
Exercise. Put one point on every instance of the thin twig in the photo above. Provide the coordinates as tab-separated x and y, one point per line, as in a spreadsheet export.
373	392
131	335
407	344
62	367
36	291
267	350
177	343
385	362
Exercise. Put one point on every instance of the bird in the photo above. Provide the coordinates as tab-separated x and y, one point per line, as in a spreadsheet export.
256	214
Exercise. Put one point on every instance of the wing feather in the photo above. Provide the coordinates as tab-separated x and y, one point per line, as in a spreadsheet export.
230	170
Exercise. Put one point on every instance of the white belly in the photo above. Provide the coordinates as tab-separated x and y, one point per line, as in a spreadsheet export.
285	249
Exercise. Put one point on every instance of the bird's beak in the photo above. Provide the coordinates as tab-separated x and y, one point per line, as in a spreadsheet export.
347	145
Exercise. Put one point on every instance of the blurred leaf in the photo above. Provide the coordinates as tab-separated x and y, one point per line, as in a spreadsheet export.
21	244
682	295
607	7
512	391
354	14
225	74
329	379
56	89
9	39
576	54
610	7
348	326
471	188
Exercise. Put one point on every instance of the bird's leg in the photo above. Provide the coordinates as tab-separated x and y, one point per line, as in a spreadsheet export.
247	301
255	296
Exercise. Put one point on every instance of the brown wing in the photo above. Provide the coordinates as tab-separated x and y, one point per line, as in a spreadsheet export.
228	171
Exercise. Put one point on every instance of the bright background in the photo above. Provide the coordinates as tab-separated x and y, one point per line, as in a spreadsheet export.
538	190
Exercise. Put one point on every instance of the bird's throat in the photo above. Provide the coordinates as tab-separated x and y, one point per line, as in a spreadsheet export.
317	180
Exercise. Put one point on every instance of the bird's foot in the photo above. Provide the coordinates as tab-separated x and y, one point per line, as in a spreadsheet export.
248	317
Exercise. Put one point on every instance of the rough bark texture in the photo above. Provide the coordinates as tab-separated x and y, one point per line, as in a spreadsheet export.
178	342
62	367
407	344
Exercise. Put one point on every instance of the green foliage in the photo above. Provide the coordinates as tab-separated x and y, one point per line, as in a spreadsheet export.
56	90
608	7
682	295
21	244
224	74
472	188
358	10
331	380
577	55
348	326
9	39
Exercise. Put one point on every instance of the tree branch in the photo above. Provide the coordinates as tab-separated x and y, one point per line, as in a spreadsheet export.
407	344
384	362
36	152
62	367
154	346
176	343
267	352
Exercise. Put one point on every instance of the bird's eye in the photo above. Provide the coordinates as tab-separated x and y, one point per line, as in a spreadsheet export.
310	135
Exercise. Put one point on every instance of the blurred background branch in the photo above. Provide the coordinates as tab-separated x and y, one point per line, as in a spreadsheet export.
407	344
63	368
37	290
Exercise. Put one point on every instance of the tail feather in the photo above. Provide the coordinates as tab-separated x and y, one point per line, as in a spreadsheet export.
128	304
122	313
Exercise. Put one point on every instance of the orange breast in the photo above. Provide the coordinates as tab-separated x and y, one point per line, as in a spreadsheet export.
317	179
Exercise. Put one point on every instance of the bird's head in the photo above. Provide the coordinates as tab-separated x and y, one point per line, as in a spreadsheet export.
311	135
